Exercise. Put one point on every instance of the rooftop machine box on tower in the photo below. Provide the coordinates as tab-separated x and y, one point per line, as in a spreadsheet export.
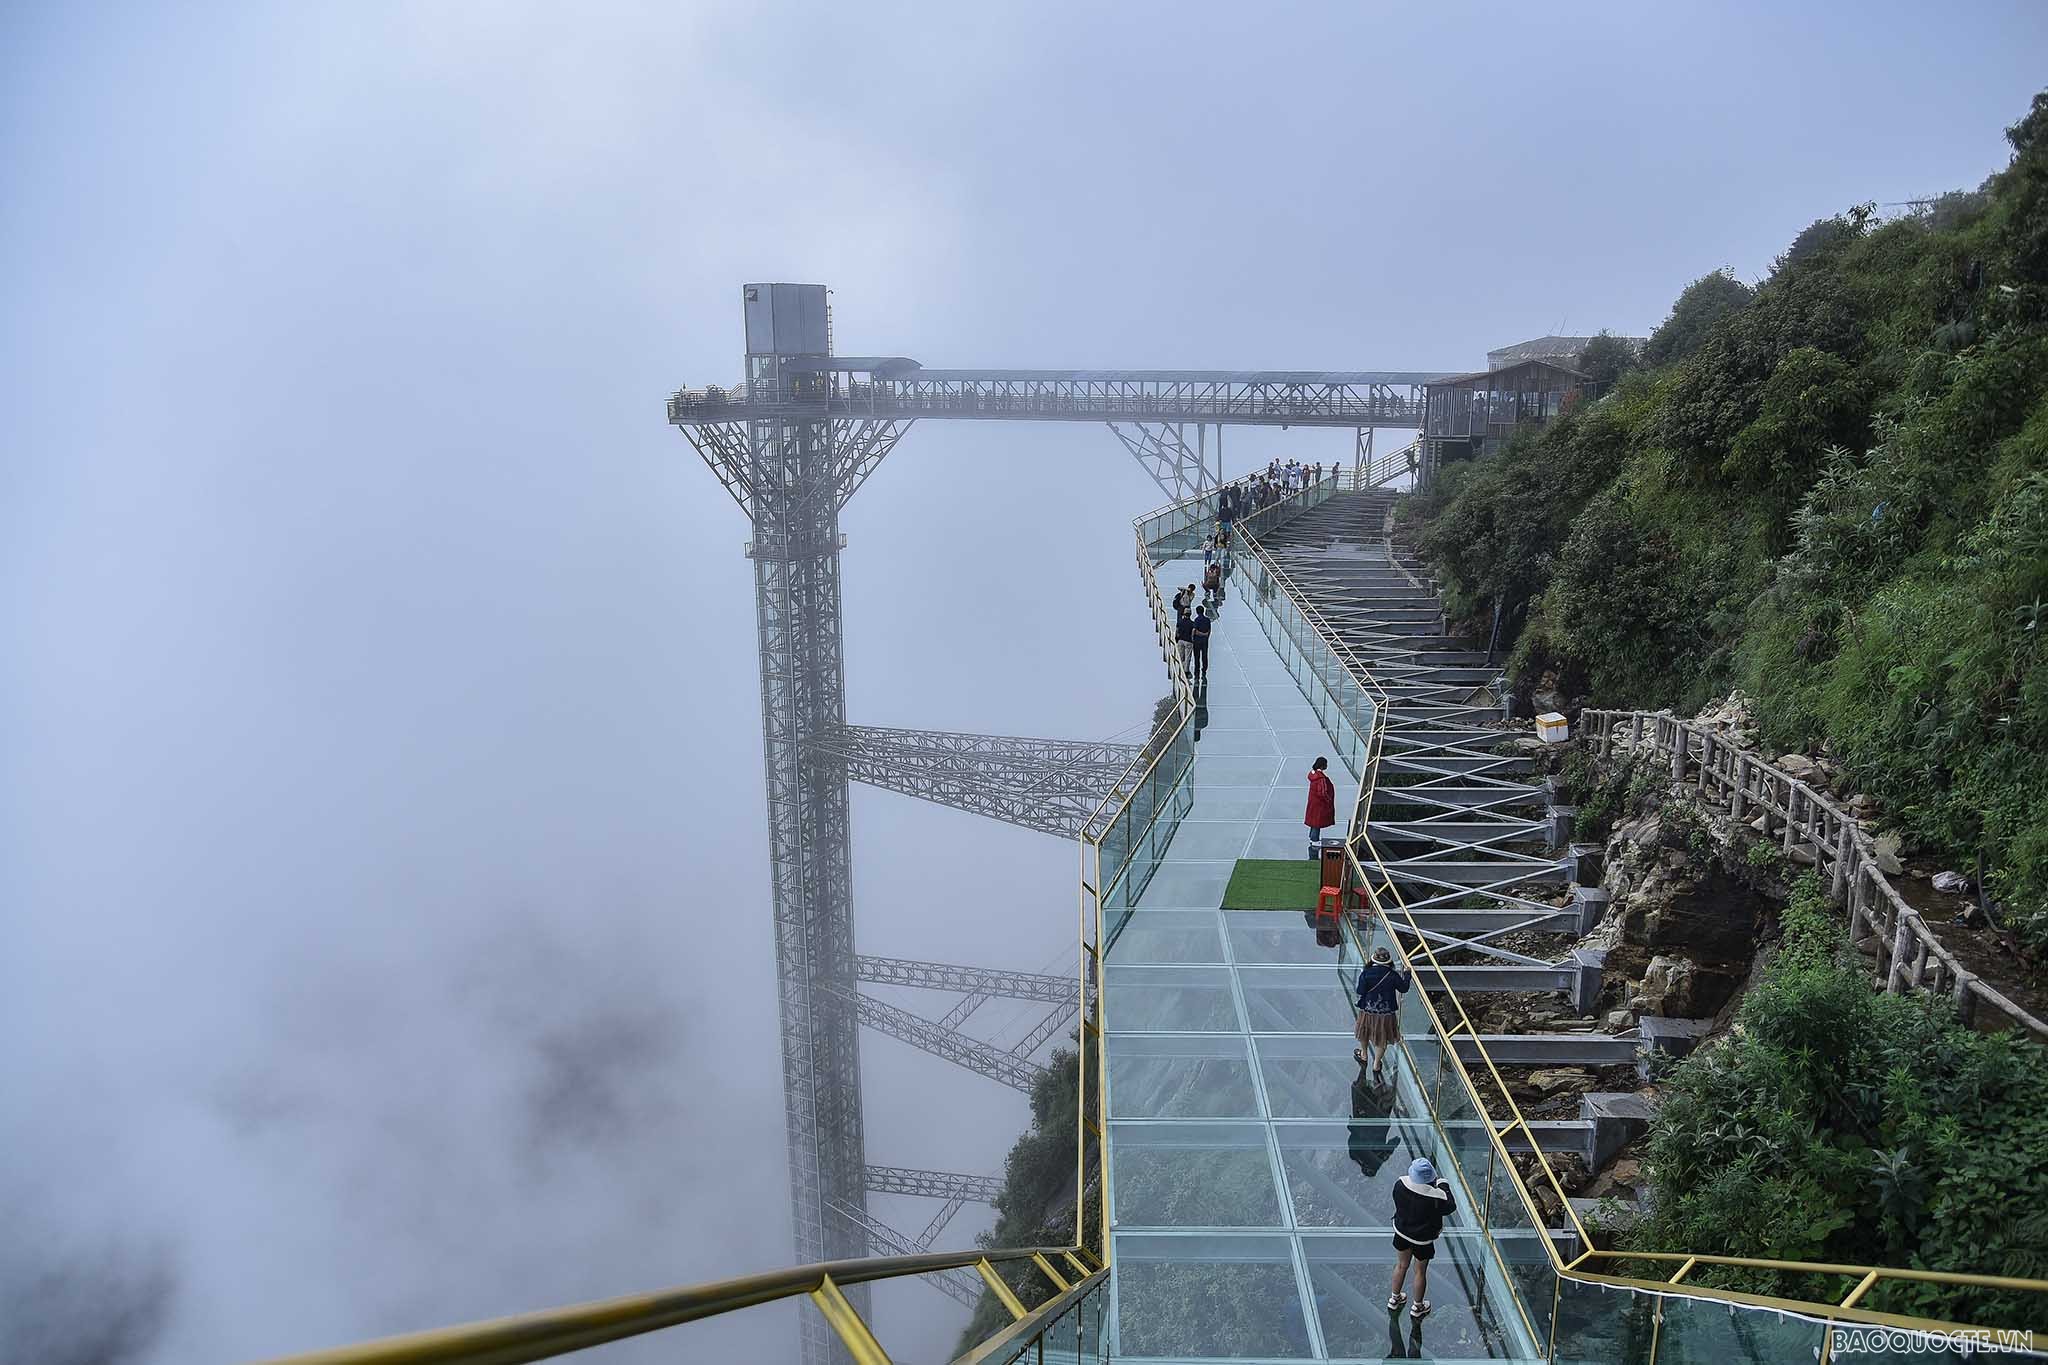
785	319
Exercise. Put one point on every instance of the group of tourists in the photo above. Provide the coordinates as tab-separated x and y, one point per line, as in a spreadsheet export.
1263	489
1193	620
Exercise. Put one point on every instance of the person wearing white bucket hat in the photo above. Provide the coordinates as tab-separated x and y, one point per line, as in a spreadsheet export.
1421	1203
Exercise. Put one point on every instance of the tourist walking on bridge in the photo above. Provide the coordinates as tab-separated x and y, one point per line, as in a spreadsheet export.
1184	626
1200	637
1322	806
1377	1024
1421	1203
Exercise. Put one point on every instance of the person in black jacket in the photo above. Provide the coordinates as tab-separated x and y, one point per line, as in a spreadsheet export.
1421	1203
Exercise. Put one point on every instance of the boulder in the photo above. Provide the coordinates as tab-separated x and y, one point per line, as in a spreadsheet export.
1797	765
1557	1079
1887	847
1618	1020
1952	883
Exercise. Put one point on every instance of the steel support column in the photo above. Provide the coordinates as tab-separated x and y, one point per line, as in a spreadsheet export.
793	487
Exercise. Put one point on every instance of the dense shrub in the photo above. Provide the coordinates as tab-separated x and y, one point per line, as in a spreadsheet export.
1841	1124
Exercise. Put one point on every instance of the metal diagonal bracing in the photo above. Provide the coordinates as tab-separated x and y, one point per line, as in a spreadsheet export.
957	1285
944	976
1055	1020
965	1006
933	1184
1051	785
727	452
857	447
1161	448
924	1034
947	1208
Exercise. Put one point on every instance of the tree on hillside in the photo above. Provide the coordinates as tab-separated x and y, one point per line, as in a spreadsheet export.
2026	189
1705	302
1606	358
1824	234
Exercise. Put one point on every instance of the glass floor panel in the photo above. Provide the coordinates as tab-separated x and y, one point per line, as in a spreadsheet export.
1251	1163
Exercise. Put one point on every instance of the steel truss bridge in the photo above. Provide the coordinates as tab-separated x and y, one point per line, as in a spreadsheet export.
791	444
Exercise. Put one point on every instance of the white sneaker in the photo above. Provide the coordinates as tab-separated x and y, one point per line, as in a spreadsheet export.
1420	1310
1394	1302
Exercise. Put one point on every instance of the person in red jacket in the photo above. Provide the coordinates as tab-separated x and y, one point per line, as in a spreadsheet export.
1322	806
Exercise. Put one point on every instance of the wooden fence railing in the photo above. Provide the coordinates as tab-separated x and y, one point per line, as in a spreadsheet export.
1909	956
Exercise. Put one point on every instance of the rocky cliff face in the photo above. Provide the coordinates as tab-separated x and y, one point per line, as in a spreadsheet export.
1686	923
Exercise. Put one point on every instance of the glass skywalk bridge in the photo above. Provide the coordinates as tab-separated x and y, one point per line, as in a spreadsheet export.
1235	1203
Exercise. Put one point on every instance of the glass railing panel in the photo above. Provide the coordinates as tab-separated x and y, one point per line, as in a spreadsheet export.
1516	1236
1599	1324
1179	1077
1209	1296
1424	1049
1711	1332
1453	1102
1194	1175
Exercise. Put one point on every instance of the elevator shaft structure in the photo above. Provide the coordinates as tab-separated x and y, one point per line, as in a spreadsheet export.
791	444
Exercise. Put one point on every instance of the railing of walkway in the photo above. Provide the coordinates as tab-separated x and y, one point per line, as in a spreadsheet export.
1815	829
1573	1310
1068	1322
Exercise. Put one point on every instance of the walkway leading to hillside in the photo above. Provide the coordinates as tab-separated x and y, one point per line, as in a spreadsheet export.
1251	1167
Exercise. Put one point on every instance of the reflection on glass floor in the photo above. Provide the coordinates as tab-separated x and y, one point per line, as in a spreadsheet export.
1251	1163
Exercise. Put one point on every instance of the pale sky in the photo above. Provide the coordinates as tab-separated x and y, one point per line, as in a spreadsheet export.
383	886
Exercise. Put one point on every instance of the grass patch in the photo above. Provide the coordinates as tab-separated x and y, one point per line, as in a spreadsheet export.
1273	884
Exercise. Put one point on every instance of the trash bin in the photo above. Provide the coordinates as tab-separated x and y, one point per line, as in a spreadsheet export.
1333	862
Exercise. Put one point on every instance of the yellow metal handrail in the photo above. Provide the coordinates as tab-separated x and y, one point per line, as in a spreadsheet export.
558	1331
1360	843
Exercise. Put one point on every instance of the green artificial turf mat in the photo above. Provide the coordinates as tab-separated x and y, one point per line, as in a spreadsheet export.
1273	884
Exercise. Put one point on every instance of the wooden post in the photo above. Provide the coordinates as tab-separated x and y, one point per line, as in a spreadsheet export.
1740	795
1706	759
1791	812
1635	741
1681	742
1965	997
1919	965
1844	841
1902	939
